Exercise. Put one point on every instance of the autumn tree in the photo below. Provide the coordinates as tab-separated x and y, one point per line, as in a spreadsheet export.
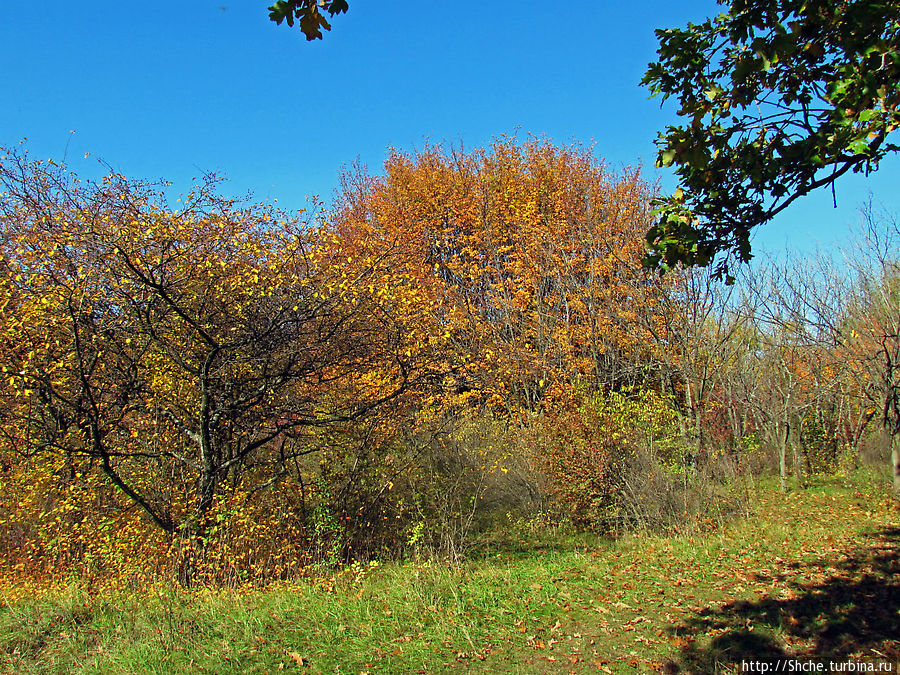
528	257
531	254
179	351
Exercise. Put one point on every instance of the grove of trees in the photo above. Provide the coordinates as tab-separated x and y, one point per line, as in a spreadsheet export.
218	390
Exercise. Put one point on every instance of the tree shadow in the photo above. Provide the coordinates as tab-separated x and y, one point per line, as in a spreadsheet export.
853	612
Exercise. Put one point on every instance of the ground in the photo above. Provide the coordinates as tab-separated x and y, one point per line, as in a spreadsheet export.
807	574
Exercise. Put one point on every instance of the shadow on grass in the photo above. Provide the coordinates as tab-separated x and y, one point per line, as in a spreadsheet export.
853	612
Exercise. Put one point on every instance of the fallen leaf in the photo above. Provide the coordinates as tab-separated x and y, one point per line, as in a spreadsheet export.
298	659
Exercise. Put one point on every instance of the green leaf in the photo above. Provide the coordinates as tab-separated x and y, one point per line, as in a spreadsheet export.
859	147
769	61
282	11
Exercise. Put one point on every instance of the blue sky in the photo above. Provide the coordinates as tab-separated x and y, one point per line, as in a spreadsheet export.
172	89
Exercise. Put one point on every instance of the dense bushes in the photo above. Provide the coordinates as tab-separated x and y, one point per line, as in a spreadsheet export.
222	393
619	461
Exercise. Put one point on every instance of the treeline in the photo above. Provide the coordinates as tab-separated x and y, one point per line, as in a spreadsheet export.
221	391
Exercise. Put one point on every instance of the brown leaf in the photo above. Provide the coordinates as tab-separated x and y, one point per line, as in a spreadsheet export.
298	659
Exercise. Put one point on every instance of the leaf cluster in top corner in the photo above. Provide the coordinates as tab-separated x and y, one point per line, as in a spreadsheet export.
778	98
310	14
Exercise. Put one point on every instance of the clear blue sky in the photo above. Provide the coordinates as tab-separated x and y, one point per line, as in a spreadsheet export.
171	89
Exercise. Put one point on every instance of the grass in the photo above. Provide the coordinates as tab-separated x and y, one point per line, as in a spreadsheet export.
810	574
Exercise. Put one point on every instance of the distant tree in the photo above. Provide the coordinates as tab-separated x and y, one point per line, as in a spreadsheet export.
780	98
697	341
872	336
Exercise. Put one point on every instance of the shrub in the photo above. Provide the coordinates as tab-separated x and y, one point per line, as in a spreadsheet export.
617	461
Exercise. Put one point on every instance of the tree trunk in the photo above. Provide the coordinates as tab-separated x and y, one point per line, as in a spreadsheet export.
895	464
782	455
798	463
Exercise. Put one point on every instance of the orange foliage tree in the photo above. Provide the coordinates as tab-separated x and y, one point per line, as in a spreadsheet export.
527	258
530	255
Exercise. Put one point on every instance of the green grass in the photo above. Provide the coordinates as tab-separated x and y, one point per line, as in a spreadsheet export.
812	573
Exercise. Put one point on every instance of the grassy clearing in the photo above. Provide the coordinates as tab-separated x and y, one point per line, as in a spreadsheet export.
811	573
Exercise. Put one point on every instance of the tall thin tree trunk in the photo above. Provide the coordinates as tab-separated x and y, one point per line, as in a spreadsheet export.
895	464
796	451
782	456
